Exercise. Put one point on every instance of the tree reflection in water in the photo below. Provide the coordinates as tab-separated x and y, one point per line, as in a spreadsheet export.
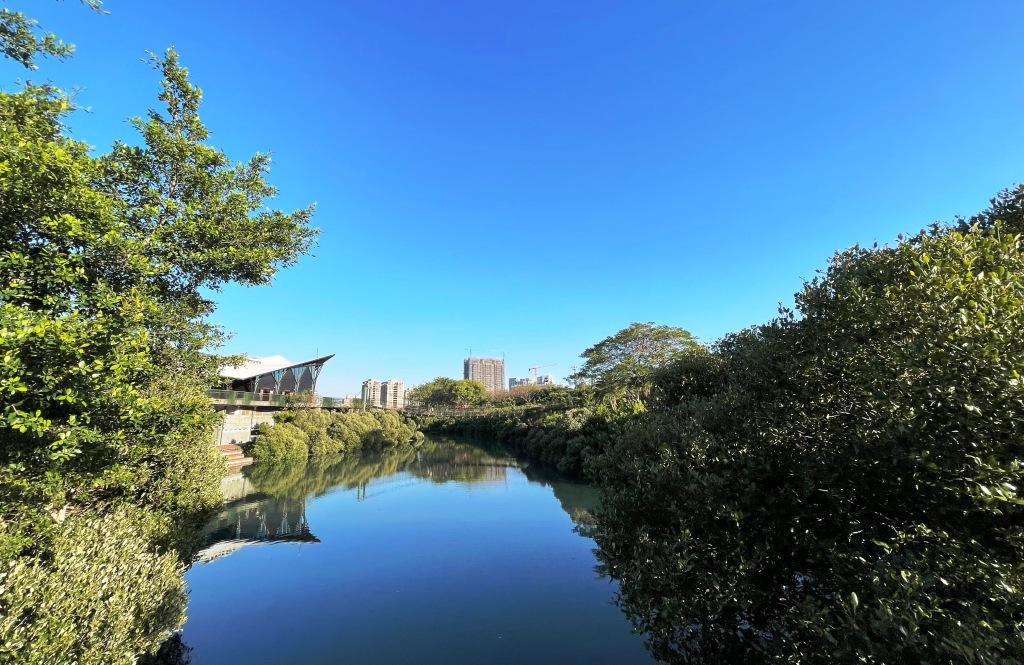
172	652
266	504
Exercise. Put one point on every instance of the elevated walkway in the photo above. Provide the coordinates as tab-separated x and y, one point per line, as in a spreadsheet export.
242	412
273	400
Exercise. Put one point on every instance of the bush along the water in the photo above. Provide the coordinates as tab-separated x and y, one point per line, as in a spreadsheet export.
843	484
565	439
568	428
299	434
279	443
101	594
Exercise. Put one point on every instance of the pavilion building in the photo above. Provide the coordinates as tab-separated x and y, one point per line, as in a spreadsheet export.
274	375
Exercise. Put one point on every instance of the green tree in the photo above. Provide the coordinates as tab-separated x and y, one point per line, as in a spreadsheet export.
1006	208
445	392
22	40
621	364
104	263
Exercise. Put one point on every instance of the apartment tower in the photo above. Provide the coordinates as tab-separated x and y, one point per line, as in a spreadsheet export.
372	393
392	394
488	371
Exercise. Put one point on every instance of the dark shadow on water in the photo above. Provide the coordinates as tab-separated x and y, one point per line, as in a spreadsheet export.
172	652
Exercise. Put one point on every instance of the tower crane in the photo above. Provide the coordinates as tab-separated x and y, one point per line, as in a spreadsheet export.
537	367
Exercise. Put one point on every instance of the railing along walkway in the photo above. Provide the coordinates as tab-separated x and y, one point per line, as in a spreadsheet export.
242	398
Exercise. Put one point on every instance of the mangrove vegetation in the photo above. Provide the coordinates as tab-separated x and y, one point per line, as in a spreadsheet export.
839	485
298	435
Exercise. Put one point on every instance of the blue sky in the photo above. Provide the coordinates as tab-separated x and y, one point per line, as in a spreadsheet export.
529	177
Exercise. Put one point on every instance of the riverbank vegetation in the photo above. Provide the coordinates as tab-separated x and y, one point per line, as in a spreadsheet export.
559	427
105	260
297	435
841	484
445	394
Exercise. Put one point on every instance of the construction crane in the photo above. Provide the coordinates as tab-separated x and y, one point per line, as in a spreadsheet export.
534	370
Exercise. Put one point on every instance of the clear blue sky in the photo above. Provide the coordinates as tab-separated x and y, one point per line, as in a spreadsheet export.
529	177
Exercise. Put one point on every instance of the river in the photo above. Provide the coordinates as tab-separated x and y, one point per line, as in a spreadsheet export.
449	553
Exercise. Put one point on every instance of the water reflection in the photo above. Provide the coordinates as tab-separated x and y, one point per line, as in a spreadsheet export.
267	503
444	553
255	519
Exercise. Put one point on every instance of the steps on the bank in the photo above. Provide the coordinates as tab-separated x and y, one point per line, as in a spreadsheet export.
233	456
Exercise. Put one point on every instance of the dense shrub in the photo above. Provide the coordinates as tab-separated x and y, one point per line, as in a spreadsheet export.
548	396
323	434
565	438
279	442
842	484
322	445
101	595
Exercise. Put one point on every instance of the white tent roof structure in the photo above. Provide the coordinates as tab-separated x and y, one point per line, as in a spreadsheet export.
253	367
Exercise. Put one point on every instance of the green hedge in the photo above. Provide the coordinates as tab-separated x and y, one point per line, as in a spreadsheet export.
568	439
279	442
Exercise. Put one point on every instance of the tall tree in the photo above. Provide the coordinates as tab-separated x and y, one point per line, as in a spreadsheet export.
22	40
621	364
102	263
446	392
104	418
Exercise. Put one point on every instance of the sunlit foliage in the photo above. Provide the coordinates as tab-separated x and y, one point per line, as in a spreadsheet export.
105	266
843	483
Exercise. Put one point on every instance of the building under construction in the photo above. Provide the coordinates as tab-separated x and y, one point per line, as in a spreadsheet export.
488	371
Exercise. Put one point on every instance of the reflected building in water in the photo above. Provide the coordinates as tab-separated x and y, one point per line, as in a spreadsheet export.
250	517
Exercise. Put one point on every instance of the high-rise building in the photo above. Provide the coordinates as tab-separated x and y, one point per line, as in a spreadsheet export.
488	371
392	394
514	382
372	393
546	380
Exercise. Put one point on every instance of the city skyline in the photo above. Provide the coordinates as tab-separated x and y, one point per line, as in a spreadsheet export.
388	394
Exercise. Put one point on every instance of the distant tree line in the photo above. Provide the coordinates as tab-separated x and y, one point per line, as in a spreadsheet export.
445	393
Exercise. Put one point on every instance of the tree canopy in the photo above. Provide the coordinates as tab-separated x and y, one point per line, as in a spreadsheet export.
22	39
623	362
446	392
105	263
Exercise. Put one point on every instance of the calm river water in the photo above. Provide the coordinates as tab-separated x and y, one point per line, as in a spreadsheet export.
447	554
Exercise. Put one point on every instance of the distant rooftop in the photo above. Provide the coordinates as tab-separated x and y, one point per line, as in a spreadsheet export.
255	366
